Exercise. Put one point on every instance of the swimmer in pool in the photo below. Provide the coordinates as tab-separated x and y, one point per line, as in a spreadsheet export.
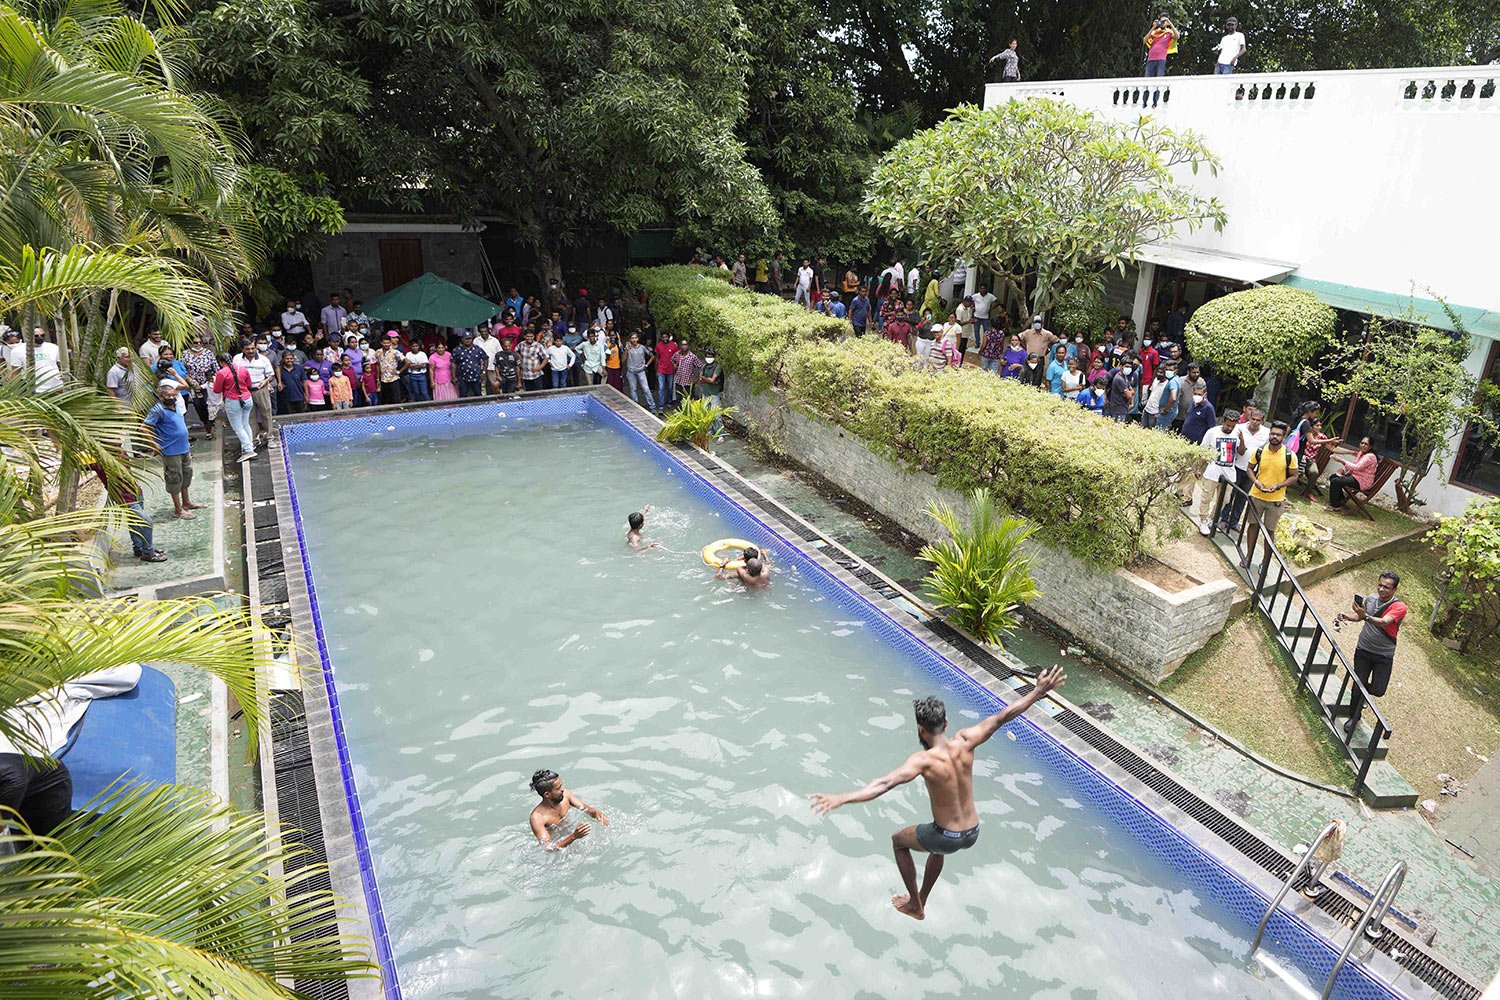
637	521
947	765
756	572
553	809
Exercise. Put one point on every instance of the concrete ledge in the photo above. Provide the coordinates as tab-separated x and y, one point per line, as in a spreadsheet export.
1119	616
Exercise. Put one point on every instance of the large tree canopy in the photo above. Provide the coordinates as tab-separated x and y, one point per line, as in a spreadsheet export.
1041	193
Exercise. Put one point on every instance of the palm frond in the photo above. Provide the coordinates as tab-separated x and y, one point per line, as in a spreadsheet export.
163	892
980	573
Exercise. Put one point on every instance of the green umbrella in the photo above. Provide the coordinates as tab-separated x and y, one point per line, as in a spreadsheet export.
431	299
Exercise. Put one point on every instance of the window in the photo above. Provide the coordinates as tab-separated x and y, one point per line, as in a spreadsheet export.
1478	464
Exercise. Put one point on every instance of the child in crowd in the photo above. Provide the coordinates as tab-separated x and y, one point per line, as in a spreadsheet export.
508	367
317	391
340	390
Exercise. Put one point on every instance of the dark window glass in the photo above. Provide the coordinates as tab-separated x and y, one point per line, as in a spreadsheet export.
1478	463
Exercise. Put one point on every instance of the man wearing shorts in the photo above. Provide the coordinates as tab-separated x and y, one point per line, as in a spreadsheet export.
1272	467
172	441
1375	651
947	766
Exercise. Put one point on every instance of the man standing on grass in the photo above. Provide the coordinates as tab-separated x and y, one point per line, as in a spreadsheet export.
171	433
1272	467
1375	651
947	766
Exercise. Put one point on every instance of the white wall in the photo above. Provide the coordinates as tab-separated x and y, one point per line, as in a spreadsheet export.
1357	184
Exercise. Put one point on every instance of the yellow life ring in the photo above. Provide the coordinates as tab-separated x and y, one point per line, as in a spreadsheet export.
715	553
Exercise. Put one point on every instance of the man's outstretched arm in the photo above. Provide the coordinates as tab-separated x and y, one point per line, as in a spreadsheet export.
823	803
1046	682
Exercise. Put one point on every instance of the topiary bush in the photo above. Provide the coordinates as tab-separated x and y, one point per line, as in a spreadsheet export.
1268	329
1101	489
1083	309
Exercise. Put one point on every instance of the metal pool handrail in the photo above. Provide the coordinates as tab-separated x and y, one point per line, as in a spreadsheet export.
1372	917
1297	872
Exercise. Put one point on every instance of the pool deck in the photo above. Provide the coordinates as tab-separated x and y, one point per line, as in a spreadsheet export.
831	540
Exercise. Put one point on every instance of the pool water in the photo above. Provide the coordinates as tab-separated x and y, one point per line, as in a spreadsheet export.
485	618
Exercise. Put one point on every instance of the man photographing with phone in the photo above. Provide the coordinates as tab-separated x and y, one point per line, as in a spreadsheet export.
1160	42
1375	651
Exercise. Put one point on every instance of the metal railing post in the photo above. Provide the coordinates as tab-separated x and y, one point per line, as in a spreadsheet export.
1297	872
1379	905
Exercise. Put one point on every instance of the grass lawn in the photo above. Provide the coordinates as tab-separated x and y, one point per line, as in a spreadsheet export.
1351	533
1239	683
1441	704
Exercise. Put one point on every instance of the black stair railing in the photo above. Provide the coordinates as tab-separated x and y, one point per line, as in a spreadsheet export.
1322	669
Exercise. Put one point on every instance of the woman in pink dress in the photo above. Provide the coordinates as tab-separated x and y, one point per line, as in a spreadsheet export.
442	373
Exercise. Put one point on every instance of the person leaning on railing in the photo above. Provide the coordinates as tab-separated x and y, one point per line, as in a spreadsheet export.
1375	650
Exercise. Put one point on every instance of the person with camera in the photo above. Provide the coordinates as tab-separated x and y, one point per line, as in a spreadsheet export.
1375	650
1160	42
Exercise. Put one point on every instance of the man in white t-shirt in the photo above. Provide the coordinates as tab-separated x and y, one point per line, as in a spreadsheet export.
913	281
293	321
151	349
982	303
490	345
1231	47
262	385
118	380
803	293
959	278
48	361
1223	439
1253	435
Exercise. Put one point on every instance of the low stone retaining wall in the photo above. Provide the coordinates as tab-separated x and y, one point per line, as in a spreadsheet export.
1117	615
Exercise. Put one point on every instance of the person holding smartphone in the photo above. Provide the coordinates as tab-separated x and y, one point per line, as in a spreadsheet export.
1375	650
1159	42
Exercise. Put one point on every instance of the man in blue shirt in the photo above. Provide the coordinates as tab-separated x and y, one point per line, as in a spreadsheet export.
835	307
171	433
859	312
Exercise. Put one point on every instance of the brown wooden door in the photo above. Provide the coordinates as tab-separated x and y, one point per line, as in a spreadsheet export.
400	260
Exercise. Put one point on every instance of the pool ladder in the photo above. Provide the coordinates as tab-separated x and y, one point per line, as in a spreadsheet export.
1369	922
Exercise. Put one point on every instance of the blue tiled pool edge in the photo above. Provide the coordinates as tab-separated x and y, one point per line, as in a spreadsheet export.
1313	952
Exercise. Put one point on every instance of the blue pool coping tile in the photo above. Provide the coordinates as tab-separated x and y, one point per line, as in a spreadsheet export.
1309	947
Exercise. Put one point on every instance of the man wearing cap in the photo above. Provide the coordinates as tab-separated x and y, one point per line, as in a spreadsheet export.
469	363
1038	339
262	384
171	433
120	380
1231	47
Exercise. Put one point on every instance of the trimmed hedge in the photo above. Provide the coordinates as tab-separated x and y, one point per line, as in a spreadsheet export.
1101	489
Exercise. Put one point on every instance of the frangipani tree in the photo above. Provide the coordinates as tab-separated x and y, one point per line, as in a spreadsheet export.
1039	192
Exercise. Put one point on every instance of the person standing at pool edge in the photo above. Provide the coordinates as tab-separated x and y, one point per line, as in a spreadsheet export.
947	766
553	809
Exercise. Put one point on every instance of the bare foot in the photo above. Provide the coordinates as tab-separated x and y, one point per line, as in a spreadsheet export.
904	904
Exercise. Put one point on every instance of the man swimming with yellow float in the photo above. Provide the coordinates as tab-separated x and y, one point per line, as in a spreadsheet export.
752	567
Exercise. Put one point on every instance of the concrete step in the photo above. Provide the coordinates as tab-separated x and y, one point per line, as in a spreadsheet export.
1384	788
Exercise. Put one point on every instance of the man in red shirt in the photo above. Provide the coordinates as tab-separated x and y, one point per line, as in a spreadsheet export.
509	333
666	371
1375	651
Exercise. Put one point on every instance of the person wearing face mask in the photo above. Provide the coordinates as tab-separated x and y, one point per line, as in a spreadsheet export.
1034	373
1200	412
1038	339
1079	348
1150	360
1121	394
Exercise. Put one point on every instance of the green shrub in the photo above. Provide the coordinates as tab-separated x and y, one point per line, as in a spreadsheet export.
1083	309
1469	610
1300	539
980	573
1099	488
1268	329
696	420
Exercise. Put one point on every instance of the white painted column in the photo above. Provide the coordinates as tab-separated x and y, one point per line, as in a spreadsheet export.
1142	307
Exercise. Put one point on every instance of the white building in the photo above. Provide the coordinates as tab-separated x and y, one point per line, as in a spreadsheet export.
1372	189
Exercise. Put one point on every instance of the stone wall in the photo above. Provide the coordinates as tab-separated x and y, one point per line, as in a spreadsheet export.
1115	614
352	260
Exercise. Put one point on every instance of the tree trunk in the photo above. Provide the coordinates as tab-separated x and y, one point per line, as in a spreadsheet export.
548	266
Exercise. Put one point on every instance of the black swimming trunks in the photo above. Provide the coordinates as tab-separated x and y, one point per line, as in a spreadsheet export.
935	840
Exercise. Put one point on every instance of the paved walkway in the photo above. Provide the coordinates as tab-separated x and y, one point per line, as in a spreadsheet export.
1444	891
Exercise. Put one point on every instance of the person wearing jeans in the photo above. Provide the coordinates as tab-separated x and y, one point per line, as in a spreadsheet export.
637	382
666	373
233	383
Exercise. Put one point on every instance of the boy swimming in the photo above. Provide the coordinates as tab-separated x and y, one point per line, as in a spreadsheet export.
637	521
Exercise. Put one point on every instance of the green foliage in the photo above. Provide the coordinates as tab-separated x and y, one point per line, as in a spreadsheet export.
1101	489
290	218
1415	376
1470	545
1269	329
980	573
1039	192
1300	539
1083	309
696	420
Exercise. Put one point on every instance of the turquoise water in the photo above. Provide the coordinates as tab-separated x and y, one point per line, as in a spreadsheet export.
485	618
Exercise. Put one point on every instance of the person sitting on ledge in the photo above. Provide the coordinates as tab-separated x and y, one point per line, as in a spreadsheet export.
556	802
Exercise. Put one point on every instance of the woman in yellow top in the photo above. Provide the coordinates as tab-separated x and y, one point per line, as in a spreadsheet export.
612	357
851	284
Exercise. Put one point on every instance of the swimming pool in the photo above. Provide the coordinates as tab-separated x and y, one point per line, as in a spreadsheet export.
483	618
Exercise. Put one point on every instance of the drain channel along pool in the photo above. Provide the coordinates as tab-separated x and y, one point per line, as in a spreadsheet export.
484	618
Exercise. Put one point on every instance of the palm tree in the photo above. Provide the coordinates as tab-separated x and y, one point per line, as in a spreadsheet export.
980	573
157	892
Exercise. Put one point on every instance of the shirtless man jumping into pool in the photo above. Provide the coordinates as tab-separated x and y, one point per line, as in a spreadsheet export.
947	765
553	809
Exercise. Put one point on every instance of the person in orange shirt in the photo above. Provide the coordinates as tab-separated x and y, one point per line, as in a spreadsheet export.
340	391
